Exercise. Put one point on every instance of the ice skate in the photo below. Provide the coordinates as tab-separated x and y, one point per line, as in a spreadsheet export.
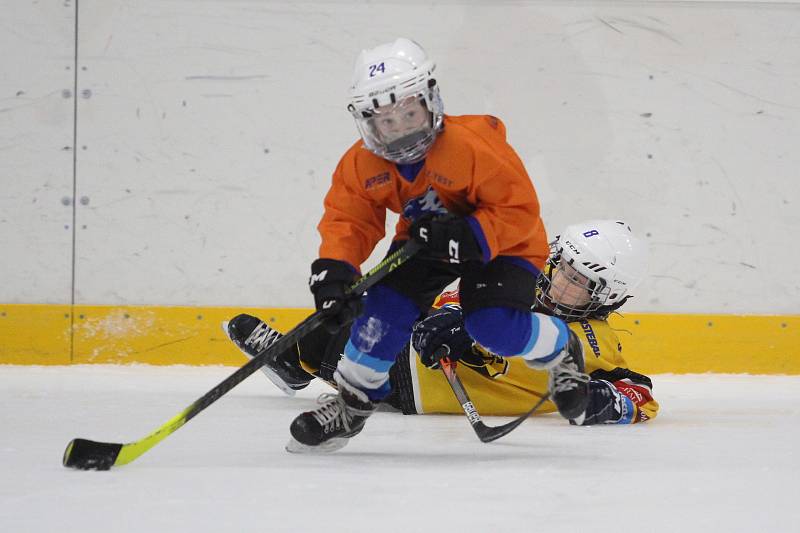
569	385
331	425
252	336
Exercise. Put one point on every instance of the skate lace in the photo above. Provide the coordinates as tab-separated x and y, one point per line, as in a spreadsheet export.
565	378
261	337
331	414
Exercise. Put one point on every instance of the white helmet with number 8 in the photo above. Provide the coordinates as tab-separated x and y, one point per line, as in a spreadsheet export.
395	101
592	269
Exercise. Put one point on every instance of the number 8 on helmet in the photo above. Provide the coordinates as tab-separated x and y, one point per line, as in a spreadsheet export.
592	269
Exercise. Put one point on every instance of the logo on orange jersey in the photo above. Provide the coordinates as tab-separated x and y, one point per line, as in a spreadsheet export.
428	202
374	181
438	178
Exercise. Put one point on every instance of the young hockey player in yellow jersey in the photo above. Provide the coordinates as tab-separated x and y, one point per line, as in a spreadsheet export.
592	268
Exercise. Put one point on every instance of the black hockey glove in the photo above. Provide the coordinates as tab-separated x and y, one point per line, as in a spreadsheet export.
441	334
606	405
329	282
446	237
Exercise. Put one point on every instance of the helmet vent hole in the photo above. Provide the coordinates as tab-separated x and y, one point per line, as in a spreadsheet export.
595	267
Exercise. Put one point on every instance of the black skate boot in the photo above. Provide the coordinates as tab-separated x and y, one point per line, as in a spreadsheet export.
252	335
569	385
330	426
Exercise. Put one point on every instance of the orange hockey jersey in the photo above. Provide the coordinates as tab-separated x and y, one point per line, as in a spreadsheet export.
470	171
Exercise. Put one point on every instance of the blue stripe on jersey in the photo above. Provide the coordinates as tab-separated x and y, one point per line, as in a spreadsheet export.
520	262
477	230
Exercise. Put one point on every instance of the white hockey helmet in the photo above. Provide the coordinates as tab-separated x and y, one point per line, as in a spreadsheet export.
592	269
395	101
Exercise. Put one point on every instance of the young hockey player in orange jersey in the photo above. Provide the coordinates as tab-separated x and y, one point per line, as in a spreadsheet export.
464	195
586	278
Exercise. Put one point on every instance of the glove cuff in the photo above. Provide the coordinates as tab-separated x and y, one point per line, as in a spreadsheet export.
327	271
447	237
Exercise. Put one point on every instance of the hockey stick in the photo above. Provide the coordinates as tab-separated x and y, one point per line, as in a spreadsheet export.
484	432
86	454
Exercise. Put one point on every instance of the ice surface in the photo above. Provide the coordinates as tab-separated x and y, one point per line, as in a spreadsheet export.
721	456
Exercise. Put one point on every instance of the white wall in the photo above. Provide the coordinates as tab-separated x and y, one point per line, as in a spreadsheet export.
207	131
36	151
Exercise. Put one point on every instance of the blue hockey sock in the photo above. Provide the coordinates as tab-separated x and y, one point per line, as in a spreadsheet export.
376	337
508	332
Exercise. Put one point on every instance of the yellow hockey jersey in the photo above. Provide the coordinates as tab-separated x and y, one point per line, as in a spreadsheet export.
509	387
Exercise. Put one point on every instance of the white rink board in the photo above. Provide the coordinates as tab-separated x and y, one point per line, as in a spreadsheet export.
721	456
37	56
208	132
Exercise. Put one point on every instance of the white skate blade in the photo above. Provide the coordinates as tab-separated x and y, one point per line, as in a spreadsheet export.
273	377
328	446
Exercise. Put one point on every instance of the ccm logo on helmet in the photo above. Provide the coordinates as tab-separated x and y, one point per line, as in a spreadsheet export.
572	247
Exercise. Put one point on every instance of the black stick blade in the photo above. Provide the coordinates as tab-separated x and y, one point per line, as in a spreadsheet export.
489	434
90	455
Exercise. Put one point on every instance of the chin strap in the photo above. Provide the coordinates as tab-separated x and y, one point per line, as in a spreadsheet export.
602	312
